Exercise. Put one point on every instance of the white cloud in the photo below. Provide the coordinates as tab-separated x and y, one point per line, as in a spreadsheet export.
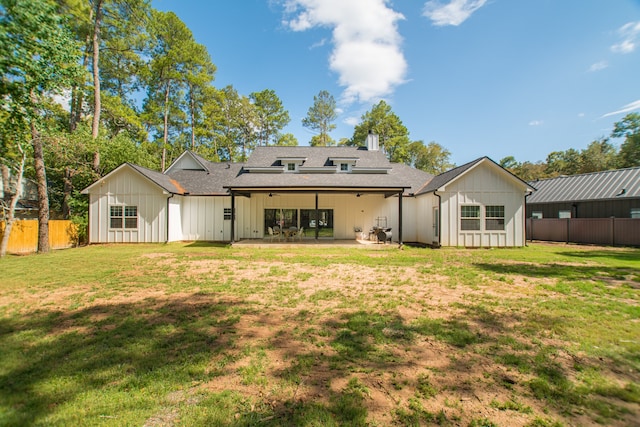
598	66
536	123
635	105
367	54
453	13
630	33
352	120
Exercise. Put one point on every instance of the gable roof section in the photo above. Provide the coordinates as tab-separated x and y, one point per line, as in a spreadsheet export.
163	181
449	176
188	160
607	185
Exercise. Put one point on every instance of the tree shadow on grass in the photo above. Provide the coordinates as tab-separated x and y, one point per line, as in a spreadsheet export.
53	358
629	255
552	270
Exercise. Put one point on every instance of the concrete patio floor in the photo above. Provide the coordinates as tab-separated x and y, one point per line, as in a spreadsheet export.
310	242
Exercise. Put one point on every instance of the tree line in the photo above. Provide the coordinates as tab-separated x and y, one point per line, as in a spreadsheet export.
600	155
86	85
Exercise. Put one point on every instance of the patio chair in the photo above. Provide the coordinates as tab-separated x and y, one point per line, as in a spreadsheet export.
300	233
273	234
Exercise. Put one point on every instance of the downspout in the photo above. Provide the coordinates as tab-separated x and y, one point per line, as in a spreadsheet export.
439	218
168	198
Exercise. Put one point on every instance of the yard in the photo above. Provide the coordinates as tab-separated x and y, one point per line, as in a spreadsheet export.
201	334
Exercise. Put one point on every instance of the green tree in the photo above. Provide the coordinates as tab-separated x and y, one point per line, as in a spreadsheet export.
629	128
270	114
199	73
509	163
599	156
39	57
320	118
563	162
174	58
432	158
287	139
392	133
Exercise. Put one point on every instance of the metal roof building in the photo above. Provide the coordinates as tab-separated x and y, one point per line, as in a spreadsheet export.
592	195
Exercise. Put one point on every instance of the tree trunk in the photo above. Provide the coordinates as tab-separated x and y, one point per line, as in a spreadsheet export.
43	196
77	94
15	196
192	104
165	137
6	185
68	188
95	127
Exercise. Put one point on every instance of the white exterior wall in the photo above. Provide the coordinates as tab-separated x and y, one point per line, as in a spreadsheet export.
202	218
128	188
424	219
349	211
483	186
175	218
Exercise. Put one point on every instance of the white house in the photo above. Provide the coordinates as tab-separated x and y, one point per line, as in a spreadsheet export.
329	192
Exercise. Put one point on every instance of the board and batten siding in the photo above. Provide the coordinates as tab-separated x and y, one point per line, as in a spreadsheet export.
483	186
424	219
203	218
126	188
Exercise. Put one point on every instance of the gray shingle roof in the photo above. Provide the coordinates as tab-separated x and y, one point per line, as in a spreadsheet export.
207	183
447	177
605	185
316	156
383	174
162	180
376	173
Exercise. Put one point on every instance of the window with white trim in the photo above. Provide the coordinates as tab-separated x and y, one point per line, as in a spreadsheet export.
344	167
635	213
494	218
536	215
291	167
470	217
564	214
123	217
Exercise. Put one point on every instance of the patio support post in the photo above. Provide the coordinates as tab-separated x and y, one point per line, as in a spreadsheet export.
400	218
317	218
233	215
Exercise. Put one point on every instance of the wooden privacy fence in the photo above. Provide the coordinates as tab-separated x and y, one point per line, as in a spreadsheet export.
597	231
24	235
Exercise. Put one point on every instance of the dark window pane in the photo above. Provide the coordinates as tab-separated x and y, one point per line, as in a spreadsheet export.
470	224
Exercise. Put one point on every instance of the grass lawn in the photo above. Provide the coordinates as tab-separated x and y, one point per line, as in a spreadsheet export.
203	334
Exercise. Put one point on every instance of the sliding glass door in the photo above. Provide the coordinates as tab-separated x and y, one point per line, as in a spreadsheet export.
296	218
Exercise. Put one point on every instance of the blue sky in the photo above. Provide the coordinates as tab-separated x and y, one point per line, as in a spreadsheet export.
498	78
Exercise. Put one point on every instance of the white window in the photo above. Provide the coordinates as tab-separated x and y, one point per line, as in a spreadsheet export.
494	218
291	167
227	214
344	167
536	215
564	214
470	218
123	217
635	212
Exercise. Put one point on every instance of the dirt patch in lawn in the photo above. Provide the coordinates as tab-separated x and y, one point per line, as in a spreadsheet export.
414	346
